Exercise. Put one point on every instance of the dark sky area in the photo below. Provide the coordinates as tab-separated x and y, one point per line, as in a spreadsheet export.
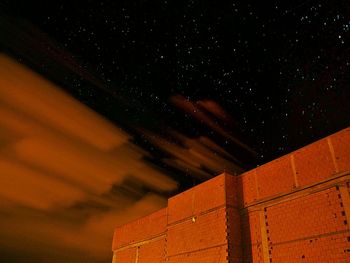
281	70
198	86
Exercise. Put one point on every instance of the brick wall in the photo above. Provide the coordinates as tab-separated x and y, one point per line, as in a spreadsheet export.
297	207
141	239
193	228
293	209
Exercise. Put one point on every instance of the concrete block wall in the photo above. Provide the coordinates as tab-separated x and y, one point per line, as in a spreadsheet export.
293	209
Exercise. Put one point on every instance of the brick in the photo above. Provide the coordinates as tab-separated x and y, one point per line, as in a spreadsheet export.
207	230
235	253
251	237
312	215
211	222
247	187
253	253
234	235
199	199
333	248
231	190
314	163
180	206
210	255
136	231
250	227
341	146
152	252
125	256
233	226
275	177
209	195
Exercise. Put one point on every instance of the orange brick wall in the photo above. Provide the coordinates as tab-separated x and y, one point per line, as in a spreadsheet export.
305	217
152	252
136	231
311	228
142	240
296	203
332	248
293	209
193	228
251	237
309	165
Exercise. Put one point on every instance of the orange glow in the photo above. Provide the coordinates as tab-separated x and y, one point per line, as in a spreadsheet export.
192	109
38	98
193	154
57	155
216	110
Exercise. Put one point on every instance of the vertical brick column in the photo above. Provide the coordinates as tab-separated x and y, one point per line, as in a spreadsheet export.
204	223
234	235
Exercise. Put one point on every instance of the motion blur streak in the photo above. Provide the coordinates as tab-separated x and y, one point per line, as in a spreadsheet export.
215	109
45	103
67	175
193	155
192	109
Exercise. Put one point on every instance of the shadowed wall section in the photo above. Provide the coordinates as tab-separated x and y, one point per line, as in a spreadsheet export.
293	209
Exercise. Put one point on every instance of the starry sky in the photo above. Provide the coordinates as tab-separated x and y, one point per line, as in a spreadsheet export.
193	87
280	70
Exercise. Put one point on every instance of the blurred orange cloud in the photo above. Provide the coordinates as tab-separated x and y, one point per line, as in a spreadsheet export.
60	164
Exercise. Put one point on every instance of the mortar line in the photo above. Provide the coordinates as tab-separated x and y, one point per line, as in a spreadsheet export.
197	250
310	237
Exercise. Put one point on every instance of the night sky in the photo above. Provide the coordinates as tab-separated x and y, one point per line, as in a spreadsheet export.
281	70
237	82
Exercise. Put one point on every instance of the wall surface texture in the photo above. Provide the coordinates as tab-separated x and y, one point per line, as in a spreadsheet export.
293	209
